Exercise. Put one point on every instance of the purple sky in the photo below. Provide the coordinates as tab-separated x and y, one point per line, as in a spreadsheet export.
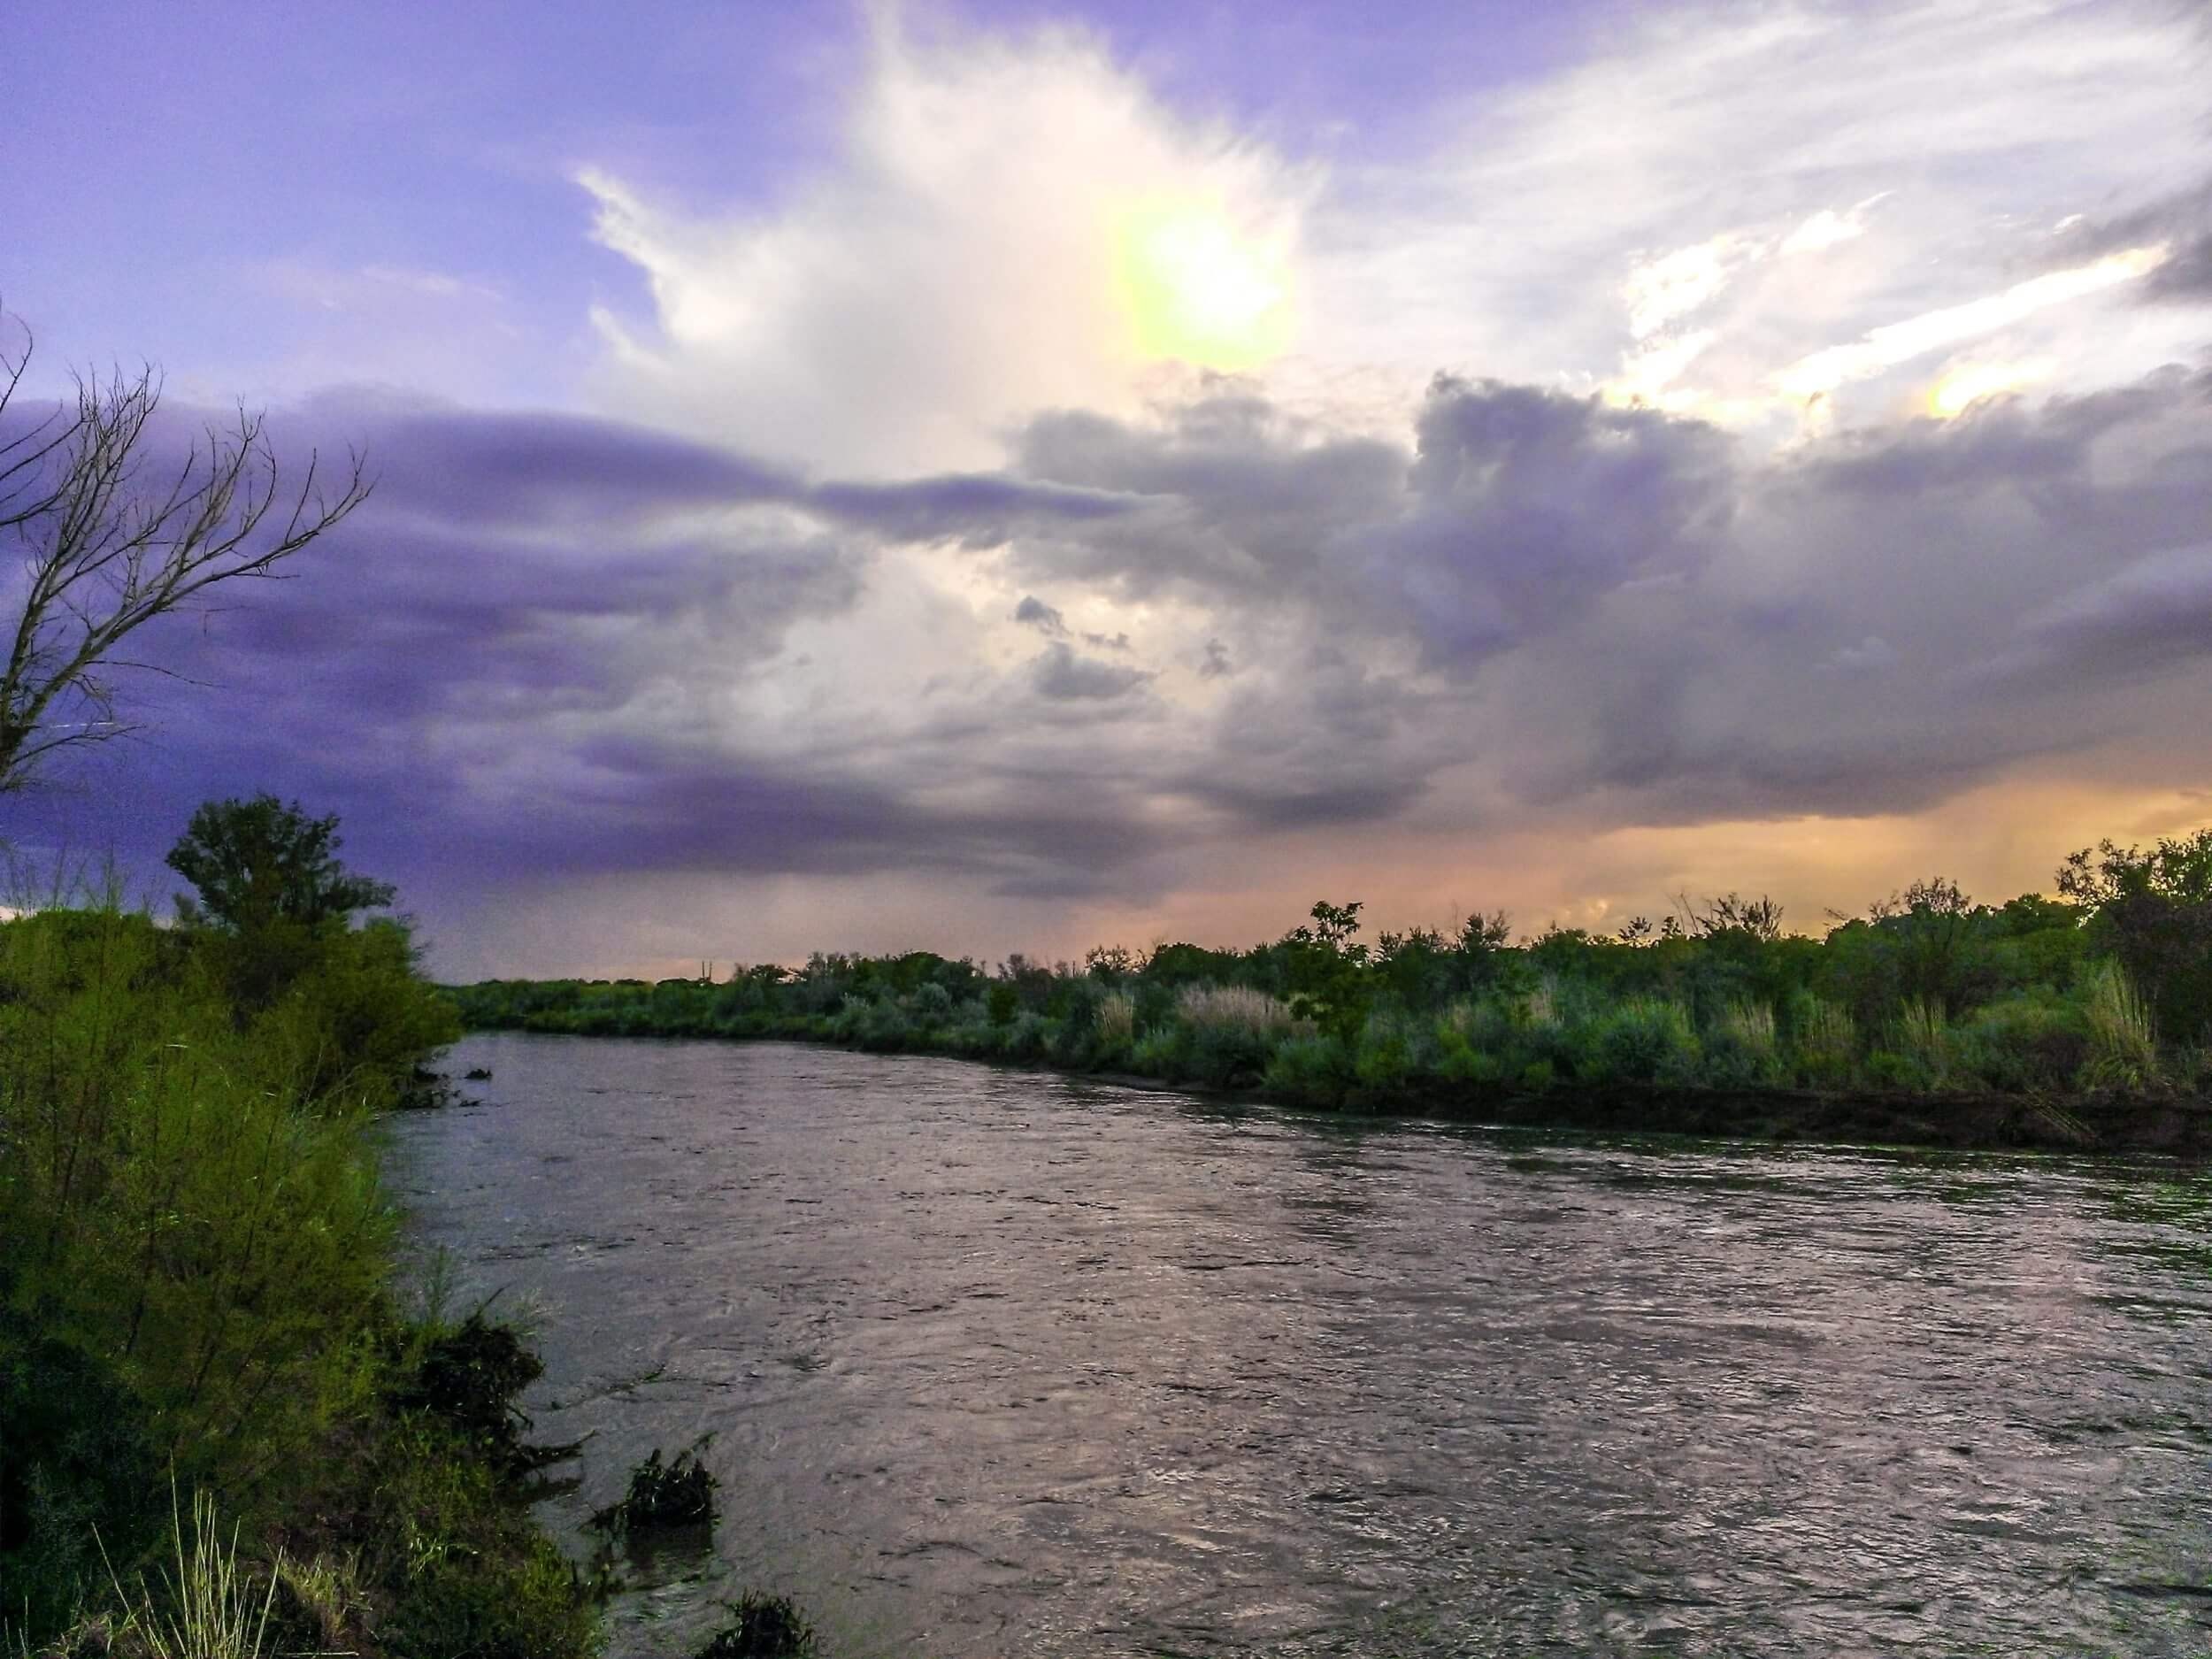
1000	476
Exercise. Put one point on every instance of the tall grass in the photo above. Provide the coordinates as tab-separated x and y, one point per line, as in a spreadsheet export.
1826	1042
211	1607
1921	1035
1114	1022
1238	1007
1751	1024
2122	1046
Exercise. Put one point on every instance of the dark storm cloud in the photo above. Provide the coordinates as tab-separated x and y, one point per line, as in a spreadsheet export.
1063	674
1037	614
973	511
1541	603
516	470
1518	506
513	666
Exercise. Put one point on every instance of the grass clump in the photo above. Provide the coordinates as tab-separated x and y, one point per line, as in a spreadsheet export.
2122	1046
209	1606
761	1627
663	1494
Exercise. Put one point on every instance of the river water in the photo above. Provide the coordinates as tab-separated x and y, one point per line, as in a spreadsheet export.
1001	1363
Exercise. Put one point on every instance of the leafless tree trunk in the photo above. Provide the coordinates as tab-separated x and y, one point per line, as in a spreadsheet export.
105	547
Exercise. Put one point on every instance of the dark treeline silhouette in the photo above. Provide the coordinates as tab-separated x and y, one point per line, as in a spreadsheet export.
2103	990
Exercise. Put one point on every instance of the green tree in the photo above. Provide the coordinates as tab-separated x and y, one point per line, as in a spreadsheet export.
259	862
1328	970
2154	910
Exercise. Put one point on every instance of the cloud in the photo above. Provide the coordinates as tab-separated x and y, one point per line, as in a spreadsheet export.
1720	197
2145	620
965	264
1062	675
1040	616
1535	615
2179	222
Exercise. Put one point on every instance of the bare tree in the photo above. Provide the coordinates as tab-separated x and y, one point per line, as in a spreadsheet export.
107	545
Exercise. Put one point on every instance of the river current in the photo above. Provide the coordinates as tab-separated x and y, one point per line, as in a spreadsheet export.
999	1363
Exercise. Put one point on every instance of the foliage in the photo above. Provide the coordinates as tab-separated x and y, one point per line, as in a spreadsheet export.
2153	911
1926	991
258	862
2123	1042
469	1378
195	1264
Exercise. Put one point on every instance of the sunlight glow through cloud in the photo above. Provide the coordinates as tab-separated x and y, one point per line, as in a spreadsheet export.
1200	293
1962	387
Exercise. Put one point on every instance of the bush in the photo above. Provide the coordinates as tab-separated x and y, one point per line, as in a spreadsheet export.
1114	1022
1310	1071
77	1464
1161	1053
1028	1037
931	1005
1741	1049
194	1265
1385	1061
1643	1041
2026	1044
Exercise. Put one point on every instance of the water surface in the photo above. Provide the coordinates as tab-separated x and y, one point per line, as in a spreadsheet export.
999	1363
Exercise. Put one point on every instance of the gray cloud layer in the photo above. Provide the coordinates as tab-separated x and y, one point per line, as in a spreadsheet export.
541	653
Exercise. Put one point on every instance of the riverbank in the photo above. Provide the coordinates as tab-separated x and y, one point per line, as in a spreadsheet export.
2171	1124
225	1426
2082	1022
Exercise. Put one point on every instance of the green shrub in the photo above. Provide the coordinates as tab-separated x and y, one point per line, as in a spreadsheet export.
1315	1070
1889	1069
1226	1057
1161	1053
1029	1037
931	1005
77	1466
1743	1049
1645	1039
2027	1043
1385	1060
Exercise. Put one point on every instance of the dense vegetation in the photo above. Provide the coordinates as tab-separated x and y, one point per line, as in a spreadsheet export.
2104	990
215	1411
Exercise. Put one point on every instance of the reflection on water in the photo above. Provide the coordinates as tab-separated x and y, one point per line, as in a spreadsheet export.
998	1363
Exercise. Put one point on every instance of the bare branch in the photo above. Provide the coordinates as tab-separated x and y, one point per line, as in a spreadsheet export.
102	553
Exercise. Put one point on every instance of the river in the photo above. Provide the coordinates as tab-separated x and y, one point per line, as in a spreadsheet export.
1000	1363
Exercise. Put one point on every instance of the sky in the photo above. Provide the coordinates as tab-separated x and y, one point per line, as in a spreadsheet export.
1003	477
